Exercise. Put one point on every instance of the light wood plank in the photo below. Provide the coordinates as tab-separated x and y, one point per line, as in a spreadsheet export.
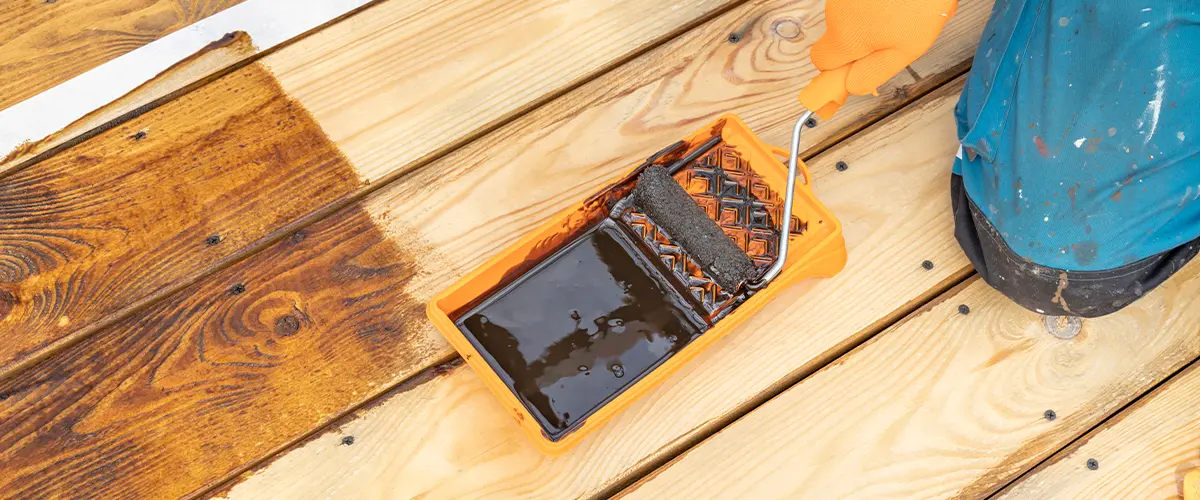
944	404
141	401
44	43
449	438
121	220
1143	452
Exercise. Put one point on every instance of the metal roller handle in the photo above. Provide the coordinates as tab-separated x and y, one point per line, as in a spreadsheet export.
785	232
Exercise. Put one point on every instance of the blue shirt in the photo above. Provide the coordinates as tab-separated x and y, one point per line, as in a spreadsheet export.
1079	124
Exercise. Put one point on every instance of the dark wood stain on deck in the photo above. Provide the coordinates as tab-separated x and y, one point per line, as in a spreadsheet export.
180	398
119	217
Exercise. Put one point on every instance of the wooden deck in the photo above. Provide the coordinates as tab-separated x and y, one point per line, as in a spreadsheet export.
222	295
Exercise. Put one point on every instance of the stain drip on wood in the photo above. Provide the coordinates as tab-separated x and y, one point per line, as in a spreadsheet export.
104	224
183	396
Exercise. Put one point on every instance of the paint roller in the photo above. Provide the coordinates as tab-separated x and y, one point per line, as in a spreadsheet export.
677	214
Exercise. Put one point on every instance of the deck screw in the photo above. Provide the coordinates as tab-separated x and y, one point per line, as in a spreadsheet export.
928	265
963	309
212	240
348	440
1063	327
3	396
140	135
1050	415
842	166
735	37
810	123
237	289
1092	464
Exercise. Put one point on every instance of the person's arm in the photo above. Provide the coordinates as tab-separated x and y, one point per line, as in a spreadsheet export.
866	43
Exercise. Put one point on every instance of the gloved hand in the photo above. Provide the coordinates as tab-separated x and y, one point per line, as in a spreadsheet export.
866	43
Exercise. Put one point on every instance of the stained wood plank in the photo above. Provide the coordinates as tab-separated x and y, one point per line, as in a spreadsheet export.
428	203
448	438
121	220
1143	452
171	401
115	220
44	43
945	404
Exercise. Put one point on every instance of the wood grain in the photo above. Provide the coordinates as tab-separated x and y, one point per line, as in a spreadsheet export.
116	222
116	219
44	43
179	397
449	438
944	404
1142	452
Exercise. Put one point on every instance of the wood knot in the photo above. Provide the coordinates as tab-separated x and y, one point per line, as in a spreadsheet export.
7	301
787	29
287	325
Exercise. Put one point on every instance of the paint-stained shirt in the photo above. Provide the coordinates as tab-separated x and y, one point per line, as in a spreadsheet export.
1079	125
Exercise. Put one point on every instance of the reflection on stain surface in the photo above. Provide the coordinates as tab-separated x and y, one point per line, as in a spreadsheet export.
581	327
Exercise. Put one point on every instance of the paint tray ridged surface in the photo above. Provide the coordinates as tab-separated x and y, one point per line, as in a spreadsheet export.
591	310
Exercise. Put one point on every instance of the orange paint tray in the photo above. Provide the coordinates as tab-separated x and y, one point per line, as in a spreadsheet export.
594	308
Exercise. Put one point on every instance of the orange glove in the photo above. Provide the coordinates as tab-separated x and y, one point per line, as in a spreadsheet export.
866	43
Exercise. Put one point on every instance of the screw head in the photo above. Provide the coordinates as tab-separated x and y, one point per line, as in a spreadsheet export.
348	440
140	135
1050	415
842	166
1092	464
212	240
1063	327
735	37
928	265
810	123
963	309
237	289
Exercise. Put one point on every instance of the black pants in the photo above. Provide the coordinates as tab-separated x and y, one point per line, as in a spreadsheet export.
1051	291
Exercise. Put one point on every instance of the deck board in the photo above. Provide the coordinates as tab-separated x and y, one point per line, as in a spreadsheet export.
121	220
946	404
44	43
1142	452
